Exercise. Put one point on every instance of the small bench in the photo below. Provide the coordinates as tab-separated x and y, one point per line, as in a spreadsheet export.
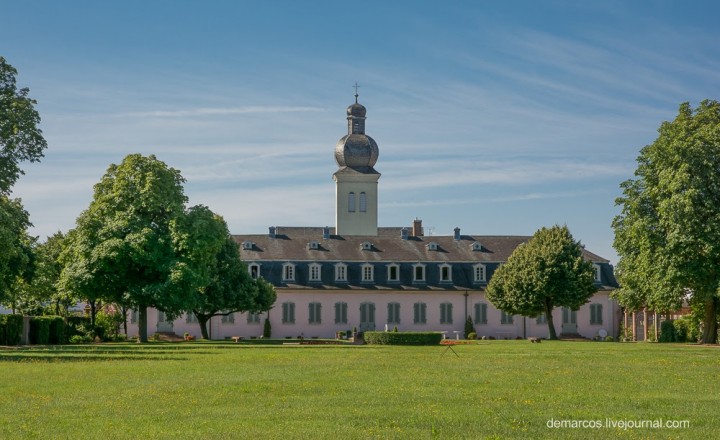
533	340
237	338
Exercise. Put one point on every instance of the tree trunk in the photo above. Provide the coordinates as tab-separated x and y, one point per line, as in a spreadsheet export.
549	317
202	321
142	324
93	312
709	335
124	313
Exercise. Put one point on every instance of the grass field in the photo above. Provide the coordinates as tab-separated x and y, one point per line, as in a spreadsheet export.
494	389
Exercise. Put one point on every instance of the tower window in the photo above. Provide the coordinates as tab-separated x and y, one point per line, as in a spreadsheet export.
363	202
351	202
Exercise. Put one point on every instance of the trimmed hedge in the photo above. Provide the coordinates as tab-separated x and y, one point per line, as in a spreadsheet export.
57	330
11	327
39	330
403	338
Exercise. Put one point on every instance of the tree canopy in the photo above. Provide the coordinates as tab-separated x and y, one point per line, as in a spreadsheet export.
136	245
16	256
547	271
668	232
20	138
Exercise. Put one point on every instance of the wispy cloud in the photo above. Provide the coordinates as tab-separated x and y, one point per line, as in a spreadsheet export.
203	111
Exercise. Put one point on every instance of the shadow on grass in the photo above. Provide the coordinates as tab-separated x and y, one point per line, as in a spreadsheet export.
31	357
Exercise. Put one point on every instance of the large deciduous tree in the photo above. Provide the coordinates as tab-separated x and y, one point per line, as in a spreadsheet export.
230	288
136	245
668	233
546	272
20	138
16	256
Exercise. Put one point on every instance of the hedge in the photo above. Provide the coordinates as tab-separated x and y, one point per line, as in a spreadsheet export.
11	327
403	338
39	330
57	330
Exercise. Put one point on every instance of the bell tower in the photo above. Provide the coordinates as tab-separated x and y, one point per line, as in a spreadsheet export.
356	180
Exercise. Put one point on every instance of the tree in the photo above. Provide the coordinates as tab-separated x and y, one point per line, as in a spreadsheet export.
668	232
230	288
469	326
20	138
547	271
16	256
134	245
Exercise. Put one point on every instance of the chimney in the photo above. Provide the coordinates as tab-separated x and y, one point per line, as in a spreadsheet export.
326	233
404	233
271	232
417	230
457	234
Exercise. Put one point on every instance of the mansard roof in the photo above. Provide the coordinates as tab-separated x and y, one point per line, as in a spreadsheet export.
291	244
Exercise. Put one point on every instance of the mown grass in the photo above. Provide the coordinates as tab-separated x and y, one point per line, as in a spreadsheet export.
495	389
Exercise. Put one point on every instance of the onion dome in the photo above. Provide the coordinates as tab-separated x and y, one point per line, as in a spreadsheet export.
356	149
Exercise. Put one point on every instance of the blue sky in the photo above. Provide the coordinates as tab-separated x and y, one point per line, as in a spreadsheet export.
497	117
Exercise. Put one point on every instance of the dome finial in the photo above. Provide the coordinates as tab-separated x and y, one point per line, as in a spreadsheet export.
356	86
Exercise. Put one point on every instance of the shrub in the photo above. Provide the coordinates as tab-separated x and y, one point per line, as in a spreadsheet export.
469	327
403	338
40	330
57	330
395	329
11	328
472	335
609	338
667	331
267	329
81	339
76	325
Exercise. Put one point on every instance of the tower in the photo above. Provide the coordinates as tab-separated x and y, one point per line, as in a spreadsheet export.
356	180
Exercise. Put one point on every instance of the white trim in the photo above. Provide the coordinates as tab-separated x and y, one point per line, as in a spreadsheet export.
397	272
483	273
417	266
449	273
340	269
288	272
367	274
314	272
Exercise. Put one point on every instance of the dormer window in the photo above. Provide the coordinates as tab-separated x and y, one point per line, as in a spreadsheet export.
479	273
366	246
313	245
445	273
393	272
432	246
368	273
288	272
598	273
418	273
247	245
314	274
341	272
477	246
254	270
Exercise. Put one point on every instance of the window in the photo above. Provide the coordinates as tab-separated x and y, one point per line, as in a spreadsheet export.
228	319
506	319
477	247
596	314
393	313
288	272
367	273
314	272
419	272
446	273
340	272
133	316
479	273
190	318
247	245
162	317
367	316
314	313
419	313
541	319
253	318
393	272
254	270
351	202
598	273
366	246
432	246
480	313
341	313
313	245
288	313
363	202
446	313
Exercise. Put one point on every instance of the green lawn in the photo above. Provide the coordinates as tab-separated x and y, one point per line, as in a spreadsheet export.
494	389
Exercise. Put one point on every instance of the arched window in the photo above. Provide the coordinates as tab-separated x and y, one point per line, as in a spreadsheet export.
363	202
351	202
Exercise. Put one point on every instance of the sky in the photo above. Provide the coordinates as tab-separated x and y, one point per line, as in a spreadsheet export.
496	117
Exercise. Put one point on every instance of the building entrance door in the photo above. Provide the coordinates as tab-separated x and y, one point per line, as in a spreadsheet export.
367	317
